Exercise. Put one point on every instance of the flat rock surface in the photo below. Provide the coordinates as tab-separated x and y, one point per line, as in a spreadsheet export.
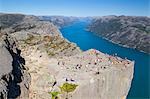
5	61
98	76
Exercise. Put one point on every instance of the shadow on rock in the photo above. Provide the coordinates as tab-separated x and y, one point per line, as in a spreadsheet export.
18	63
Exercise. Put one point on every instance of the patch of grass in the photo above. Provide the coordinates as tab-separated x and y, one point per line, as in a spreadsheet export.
68	87
33	40
54	94
50	53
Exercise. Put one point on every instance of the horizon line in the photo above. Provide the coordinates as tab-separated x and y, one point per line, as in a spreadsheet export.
72	15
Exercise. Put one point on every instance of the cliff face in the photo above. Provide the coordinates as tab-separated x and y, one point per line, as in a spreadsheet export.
36	59
98	76
130	31
21	34
14	80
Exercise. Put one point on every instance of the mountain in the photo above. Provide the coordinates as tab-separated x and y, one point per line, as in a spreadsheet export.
36	61
59	21
130	31
17	33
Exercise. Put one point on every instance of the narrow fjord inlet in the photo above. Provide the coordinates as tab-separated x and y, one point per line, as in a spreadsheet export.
74	49
77	33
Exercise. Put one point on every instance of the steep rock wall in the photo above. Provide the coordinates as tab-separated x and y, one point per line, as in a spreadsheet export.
13	76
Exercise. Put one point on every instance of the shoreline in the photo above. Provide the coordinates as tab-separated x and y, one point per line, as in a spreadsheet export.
125	46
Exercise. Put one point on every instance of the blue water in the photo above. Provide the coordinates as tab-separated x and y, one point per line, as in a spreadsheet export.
86	40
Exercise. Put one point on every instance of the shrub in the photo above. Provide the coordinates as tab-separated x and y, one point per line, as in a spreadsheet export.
54	94
68	87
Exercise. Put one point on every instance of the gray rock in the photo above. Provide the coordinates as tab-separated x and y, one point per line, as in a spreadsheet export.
14	80
5	61
128	31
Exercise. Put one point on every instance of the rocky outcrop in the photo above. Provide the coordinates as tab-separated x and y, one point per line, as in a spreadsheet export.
14	80
5	70
130	31
26	33
98	76
35	47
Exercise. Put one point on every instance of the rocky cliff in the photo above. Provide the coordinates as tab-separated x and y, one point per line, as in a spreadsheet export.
36	61
130	31
14	79
26	32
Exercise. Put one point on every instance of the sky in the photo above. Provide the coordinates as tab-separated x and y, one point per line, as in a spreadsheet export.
77	7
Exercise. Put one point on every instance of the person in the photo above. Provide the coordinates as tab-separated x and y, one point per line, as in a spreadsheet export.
58	62
80	66
77	66
72	80
54	83
95	62
86	66
67	80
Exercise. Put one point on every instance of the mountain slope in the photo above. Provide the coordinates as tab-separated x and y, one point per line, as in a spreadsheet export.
130	31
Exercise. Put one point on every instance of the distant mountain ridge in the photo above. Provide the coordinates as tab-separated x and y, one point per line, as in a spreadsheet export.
59	21
130	31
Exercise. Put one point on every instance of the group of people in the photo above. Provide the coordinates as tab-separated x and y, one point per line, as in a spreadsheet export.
116	61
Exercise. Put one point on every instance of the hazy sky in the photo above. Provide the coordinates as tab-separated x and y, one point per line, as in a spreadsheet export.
77	7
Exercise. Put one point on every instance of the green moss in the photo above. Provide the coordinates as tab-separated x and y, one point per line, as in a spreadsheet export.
68	87
29	39
51	53
33	40
54	94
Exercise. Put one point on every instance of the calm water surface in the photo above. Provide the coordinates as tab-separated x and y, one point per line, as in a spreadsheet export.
86	40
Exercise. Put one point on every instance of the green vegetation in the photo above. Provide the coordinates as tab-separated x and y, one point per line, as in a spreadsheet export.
65	88
68	87
29	39
54	94
33	40
51	53
56	46
52	45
